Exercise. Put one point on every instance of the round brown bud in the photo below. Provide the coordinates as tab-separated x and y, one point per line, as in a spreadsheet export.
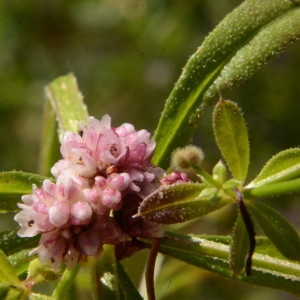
185	158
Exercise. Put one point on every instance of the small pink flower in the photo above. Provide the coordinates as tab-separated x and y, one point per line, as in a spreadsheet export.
59	213
70	228
47	208
81	213
173	178
75	243
119	181
103	149
103	176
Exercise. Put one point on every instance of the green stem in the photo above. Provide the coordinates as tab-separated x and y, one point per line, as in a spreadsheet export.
65	283
206	176
273	189
95	278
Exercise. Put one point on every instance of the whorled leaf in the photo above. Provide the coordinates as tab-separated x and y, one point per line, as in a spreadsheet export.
10	285
281	167
9	292
273	189
263	244
127	288
283	235
239	246
13	185
67	103
36	296
39	272
104	275
49	144
65	283
268	269
269	42
232	137
4	290
180	202
234	41
20	261
219	173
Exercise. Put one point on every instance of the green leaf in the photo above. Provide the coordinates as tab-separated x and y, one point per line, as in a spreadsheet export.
67	103
283	166
254	22
13	185
9	292
273	189
232	137
7	272
20	261
41	272
263	244
184	281
277	229
267	270
11	243
220	172
65	283
269	42
49	144
104	276
180	202
239	246
36	296
127	289
4	290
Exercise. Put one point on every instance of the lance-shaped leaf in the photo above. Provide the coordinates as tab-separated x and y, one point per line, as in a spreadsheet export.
283	166
220	172
49	143
232	137
65	283
20	261
268	270
39	272
273	189
269	42
13	185
104	276
67	103
277	229
9	292
10	285
37	296
239	246
127	288
7	272
251	26
180	202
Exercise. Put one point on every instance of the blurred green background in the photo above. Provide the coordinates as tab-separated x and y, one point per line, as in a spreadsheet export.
127	55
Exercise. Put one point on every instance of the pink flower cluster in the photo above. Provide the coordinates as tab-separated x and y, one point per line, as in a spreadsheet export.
103	176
